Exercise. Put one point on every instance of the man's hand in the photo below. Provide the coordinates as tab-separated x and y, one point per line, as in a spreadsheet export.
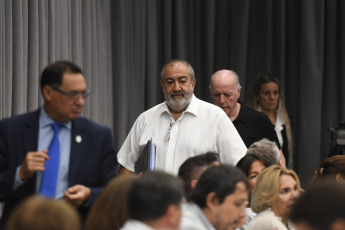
34	161
77	195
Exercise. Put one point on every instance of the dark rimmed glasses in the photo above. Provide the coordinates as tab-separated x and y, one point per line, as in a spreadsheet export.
73	95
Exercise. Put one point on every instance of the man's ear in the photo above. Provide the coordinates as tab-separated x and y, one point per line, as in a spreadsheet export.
339	177
194	82
47	92
212	201
173	215
193	183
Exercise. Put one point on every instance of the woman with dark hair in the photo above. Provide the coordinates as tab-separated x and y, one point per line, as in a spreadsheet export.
260	155
332	168
268	98
252	164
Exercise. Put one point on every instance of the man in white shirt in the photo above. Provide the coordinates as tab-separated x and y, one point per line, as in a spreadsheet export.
182	126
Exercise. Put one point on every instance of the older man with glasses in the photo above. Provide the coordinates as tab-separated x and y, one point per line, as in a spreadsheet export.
53	151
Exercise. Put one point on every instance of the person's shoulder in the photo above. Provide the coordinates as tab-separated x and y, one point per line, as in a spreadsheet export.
189	206
262	220
18	119
252	111
268	220
190	218
254	114
152	114
190	211
131	224
155	109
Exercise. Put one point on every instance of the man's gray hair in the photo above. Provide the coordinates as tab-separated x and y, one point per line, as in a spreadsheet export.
191	70
267	149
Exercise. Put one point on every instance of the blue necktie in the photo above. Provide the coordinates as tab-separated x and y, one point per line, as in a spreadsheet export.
50	175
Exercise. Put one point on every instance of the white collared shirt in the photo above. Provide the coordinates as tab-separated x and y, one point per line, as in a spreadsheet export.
194	218
131	224
278	128
202	128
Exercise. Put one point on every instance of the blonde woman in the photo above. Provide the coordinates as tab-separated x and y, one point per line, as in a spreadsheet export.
274	193
268	98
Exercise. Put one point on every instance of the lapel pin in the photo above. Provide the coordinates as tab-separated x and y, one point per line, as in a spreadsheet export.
78	138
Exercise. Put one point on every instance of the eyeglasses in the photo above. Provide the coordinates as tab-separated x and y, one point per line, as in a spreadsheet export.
72	95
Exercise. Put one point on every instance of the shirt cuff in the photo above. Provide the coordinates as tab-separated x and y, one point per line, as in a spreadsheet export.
17	181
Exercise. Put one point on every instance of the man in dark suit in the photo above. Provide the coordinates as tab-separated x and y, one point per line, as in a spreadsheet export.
87	159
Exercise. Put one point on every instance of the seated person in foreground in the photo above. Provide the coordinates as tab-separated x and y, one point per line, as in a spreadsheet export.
275	191
332	168
110	210
191	170
260	155
268	150
37	213
154	202
321	207
218	200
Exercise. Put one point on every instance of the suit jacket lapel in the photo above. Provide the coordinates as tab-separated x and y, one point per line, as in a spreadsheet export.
30	138
31	131
77	144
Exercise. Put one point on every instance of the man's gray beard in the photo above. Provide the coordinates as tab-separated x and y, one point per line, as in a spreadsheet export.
180	105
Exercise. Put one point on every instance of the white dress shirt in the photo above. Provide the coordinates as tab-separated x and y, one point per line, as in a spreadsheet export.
135	225
278	127
202	128
193	218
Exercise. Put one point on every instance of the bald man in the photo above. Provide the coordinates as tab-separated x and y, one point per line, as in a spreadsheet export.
252	125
